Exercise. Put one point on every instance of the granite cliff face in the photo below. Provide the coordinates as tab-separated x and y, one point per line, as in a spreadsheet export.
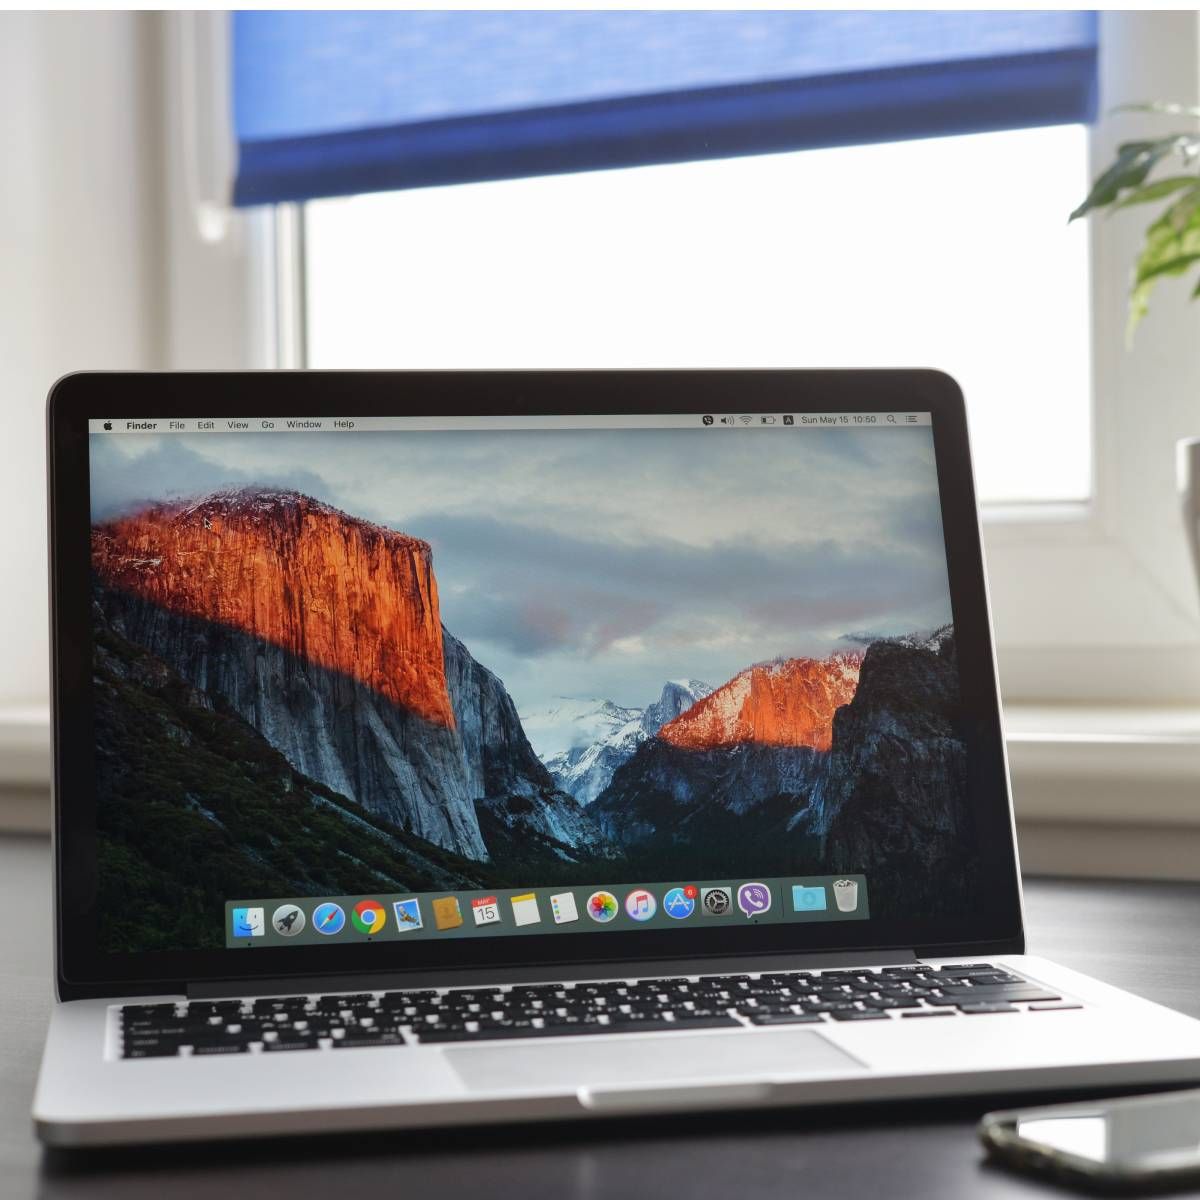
786	703
880	788
745	762
893	804
263	598
327	724
337	592
671	795
520	807
176	768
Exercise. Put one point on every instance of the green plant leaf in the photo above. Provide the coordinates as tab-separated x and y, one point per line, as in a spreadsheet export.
1171	266
1135	161
1172	246
1181	215
1174	238
1164	107
1139	306
1157	190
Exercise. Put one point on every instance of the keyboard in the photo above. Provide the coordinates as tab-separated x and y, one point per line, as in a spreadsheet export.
341	1021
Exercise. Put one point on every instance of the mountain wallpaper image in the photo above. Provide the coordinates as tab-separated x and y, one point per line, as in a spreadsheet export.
608	672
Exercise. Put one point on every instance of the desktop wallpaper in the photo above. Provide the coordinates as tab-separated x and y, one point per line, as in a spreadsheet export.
334	662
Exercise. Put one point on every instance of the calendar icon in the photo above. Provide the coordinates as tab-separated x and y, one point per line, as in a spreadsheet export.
485	910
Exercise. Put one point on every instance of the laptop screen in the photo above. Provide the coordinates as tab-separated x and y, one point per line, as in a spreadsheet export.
486	677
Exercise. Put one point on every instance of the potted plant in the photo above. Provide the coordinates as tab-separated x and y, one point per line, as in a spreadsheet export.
1172	245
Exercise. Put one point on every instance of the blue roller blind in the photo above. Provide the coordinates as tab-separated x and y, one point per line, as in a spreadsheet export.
333	103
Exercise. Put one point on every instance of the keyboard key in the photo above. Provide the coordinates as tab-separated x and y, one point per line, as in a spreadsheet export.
1054	1006
975	1009
698	1021
930	1012
1014	995
860	1014
161	1050
363	1037
290	1043
786	1019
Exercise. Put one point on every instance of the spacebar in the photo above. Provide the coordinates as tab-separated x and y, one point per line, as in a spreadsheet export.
652	1026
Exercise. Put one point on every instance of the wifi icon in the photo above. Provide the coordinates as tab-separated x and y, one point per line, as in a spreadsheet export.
745	420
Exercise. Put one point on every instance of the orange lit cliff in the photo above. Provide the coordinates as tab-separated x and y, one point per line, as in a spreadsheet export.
787	703
331	589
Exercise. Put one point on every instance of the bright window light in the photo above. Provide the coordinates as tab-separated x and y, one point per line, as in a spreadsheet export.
950	253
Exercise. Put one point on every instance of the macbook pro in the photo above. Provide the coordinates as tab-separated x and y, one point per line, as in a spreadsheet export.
458	747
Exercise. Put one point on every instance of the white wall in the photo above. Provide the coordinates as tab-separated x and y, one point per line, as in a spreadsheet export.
80	259
101	260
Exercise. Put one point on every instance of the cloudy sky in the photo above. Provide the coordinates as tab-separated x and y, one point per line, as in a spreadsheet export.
602	563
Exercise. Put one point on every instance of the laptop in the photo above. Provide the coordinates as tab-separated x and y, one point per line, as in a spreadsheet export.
448	747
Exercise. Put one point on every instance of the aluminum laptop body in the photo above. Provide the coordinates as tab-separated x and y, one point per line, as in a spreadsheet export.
462	747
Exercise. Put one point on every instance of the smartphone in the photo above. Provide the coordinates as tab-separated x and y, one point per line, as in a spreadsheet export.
1145	1143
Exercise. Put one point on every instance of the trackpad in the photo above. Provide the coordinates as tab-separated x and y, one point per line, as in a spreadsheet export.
633	1060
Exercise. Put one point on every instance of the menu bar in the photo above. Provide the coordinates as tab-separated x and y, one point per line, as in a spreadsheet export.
716	422
499	912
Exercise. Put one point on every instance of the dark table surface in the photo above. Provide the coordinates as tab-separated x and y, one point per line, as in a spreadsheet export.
1135	935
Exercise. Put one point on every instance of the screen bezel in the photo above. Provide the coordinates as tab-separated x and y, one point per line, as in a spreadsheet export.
83	970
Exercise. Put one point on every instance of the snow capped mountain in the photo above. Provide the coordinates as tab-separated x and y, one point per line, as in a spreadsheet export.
582	742
678	695
570	723
931	641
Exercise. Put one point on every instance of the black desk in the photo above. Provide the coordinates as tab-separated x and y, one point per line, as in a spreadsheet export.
1135	935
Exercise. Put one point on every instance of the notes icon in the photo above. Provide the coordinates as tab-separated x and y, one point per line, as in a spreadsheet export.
525	909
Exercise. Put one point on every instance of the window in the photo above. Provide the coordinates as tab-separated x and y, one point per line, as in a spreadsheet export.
948	252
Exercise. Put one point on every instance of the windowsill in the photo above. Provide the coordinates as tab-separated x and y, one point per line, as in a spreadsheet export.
25	745
1105	764
25	768
1045	512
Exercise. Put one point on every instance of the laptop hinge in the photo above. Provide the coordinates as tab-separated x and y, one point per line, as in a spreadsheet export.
498	976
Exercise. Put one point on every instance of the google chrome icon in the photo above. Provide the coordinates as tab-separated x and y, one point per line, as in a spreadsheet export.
602	907
368	916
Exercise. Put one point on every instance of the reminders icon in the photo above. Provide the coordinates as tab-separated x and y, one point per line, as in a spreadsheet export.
563	907
525	909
